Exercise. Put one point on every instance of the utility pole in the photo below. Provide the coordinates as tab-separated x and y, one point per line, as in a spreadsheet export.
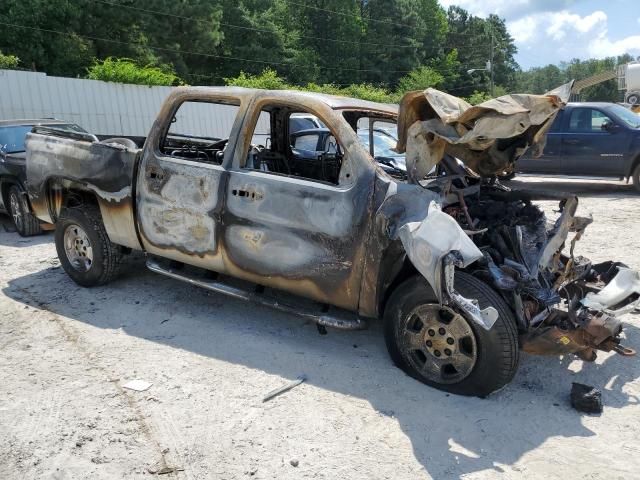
491	64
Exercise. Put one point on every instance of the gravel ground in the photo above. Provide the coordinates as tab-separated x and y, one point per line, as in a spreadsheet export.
66	353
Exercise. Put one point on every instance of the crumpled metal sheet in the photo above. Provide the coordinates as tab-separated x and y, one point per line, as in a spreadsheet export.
487	137
623	285
429	241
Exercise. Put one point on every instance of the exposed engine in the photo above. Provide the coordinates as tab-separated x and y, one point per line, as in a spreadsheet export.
563	303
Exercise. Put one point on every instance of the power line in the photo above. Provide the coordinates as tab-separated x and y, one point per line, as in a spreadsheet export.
242	27
264	30
210	55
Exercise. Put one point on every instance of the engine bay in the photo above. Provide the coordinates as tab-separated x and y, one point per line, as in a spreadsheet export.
563	303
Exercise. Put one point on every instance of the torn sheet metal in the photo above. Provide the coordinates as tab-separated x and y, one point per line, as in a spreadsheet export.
427	250
488	137
435	246
625	284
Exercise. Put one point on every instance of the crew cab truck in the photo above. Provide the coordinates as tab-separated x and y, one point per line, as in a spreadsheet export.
591	139
232	208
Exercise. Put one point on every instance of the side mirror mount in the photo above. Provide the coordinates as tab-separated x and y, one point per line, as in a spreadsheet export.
609	126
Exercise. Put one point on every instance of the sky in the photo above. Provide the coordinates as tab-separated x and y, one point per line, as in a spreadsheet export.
552	31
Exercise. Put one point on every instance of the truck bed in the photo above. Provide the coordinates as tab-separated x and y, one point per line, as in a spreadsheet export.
65	160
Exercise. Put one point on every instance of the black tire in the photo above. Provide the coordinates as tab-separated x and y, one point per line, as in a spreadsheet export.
496	351
636	177
25	222
105	255
633	99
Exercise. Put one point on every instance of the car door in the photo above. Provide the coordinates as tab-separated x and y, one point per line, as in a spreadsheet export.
551	159
181	179
590	149
302	235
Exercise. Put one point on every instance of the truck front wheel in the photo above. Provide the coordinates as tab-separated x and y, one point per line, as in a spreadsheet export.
440	347
84	249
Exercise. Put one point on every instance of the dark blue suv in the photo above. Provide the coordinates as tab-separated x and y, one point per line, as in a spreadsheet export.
592	139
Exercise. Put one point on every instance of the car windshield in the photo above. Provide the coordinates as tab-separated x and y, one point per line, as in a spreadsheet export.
12	138
300	123
383	143
630	118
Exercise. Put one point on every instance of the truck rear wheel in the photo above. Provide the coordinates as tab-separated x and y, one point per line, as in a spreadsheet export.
25	222
440	347
636	177
84	249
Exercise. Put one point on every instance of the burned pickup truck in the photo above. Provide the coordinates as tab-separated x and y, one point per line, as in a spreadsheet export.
463	271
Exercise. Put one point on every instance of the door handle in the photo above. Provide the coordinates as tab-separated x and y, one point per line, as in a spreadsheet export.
155	174
572	141
248	194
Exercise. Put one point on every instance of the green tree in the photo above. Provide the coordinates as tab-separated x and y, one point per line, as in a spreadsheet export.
420	79
8	61
124	70
478	41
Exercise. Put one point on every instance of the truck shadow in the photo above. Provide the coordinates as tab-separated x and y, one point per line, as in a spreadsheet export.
580	187
451	436
8	235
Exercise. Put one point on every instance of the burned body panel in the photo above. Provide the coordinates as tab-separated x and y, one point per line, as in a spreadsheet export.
316	249
56	162
350	238
488	138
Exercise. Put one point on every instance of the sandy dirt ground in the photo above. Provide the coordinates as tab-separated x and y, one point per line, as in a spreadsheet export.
66	352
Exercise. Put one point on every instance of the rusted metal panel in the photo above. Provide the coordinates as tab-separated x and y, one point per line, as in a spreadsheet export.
106	170
343	242
488	137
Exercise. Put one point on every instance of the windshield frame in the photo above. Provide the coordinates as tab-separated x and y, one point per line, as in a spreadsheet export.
626	116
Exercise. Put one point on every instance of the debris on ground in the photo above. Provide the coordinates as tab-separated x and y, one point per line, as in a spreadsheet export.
586	398
137	385
294	462
286	388
164	470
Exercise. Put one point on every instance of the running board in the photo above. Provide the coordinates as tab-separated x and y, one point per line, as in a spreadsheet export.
323	319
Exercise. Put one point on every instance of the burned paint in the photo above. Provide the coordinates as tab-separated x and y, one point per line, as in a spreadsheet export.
57	163
488	137
349	239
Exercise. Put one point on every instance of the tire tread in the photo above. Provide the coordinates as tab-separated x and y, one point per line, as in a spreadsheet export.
89	216
30	224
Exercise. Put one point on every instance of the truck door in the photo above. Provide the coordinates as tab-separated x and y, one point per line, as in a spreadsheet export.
589	147
298	224
550	161
181	180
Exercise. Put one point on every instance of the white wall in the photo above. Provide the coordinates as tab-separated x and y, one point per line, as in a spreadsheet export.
102	108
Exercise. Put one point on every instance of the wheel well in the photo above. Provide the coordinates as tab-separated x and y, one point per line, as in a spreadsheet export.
388	285
64	195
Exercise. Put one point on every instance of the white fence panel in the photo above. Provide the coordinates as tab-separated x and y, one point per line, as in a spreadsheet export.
102	108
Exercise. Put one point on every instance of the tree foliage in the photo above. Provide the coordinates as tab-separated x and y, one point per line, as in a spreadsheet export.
8	61
124	70
373	48
269	79
542	79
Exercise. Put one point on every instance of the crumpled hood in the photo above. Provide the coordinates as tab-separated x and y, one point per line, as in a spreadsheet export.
488	137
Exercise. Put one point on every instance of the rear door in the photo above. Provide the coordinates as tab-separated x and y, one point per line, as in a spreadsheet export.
302	234
588	148
181	182
551	159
